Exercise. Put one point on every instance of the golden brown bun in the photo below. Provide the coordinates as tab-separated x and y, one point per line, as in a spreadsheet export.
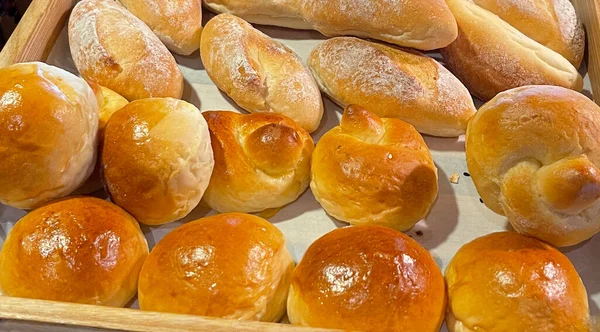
177	23
491	56
378	171
80	249
393	83
157	159
115	49
262	161
511	282
420	24
259	73
230	265
367	278
533	153
48	134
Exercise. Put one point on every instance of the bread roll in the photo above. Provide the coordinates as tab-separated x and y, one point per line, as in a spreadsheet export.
157	159
262	161
491	56
177	23
392	83
48	133
511	282
424	25
367	278
259	73
374	171
533	154
232	266
115	49
81	249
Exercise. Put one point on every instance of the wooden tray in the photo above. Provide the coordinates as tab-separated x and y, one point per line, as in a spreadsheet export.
35	38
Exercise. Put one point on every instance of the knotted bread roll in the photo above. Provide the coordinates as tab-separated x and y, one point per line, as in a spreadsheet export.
393	83
420	24
511	282
374	171
259	73
504	44
262	161
533	153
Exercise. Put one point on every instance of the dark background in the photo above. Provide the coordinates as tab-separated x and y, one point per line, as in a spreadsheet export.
11	12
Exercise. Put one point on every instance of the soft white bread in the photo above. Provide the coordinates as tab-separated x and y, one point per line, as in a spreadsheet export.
533	153
48	133
421	24
157	159
367	278
259	73
491	56
231	265
112	47
374	171
177	23
262	161
392	83
511	282
81	249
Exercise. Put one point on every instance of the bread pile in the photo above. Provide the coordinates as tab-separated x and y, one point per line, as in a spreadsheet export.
533	152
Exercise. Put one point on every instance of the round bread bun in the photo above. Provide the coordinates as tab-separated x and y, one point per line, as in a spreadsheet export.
231	265
80	249
370	170
157	159
48	133
262	161
367	278
533	153
510	282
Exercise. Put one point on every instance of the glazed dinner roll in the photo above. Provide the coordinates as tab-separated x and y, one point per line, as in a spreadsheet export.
112	47
490	55
79	249
511	282
533	153
48	133
393	83
177	23
157	159
231	265
262	161
420	24
259	73
367	278
377	171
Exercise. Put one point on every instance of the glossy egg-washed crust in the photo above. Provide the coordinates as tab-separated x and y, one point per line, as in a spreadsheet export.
367	278
533	153
81	249
262	161
511	282
370	170
230	265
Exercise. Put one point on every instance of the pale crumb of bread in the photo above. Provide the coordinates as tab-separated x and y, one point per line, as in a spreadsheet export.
454	178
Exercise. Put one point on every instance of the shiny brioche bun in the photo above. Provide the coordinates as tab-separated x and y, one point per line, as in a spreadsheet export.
80	249
48	133
230	265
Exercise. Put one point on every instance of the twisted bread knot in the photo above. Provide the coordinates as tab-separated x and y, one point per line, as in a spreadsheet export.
533	154
262	161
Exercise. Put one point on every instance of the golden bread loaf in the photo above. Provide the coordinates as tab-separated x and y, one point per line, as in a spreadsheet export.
370	170
510	282
262	161
80	249
48	133
230	265
533	153
157	159
259	73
